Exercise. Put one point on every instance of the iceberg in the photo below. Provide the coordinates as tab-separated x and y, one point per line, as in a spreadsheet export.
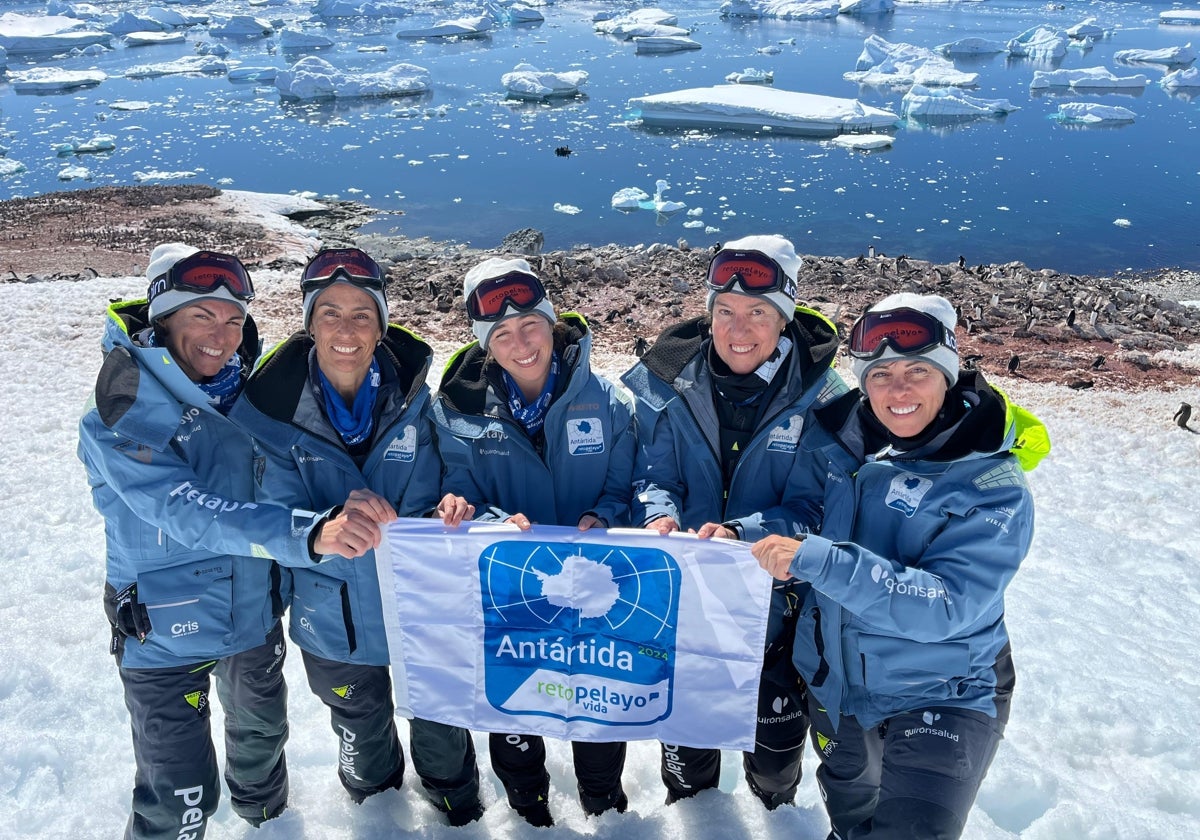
150	38
293	39
99	143
128	22
1181	79
1086	30
750	76
972	46
360	8
315	78
253	74
26	35
1091	113
863	142
781	9
925	102
1043	42
627	198
756	108
527	82
1167	55
632	198
73	171
1184	16
206	64
1087	77
465	27
241	26
867	7
884	63
641	23
515	13
8	166
664	44
52	80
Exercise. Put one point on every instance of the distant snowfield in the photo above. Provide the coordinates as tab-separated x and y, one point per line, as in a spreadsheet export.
1103	618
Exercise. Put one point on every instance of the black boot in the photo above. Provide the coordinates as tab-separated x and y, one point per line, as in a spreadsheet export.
594	806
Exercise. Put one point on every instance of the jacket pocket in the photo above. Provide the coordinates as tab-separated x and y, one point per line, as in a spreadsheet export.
321	618
190	607
901	666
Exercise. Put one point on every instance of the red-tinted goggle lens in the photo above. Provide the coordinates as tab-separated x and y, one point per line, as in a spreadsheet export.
904	330
754	271
204	272
353	265
491	297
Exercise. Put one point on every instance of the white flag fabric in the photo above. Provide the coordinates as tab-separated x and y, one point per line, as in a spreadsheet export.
599	635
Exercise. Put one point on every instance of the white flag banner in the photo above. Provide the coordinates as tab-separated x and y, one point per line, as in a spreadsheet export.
600	635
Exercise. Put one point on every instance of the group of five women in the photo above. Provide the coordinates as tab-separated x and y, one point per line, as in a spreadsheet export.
891	517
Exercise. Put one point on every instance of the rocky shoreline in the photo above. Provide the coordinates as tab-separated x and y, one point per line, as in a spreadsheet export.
1124	332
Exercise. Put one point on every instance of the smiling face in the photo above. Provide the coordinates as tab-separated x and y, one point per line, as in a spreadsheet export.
345	329
905	395
745	330
523	346
203	336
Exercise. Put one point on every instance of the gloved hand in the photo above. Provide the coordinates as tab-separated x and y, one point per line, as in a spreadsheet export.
127	614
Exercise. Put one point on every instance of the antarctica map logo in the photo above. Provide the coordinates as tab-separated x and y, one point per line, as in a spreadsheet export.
580	631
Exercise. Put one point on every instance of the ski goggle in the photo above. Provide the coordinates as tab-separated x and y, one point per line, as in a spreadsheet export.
349	264
754	271
203	273
487	302
905	331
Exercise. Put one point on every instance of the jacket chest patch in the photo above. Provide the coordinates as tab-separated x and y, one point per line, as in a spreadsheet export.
785	437
906	492
585	436
404	447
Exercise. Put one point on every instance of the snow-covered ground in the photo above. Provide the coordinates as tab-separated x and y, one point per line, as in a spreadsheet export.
1103	617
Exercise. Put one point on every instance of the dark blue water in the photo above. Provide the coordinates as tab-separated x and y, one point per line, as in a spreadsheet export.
472	167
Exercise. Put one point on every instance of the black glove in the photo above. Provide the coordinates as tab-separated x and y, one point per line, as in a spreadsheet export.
126	613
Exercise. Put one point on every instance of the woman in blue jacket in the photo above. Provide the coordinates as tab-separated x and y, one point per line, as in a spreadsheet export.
720	404
527	434
338	406
192	589
919	516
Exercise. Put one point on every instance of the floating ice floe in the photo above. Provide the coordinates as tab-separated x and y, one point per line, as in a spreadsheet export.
1185	16
632	198
515	13
360	8
212	48
1091	113
1166	55
863	142
129	105
8	166
757	108
528	82
240	26
781	9
315	78
927	102
74	172
972	46
568	209
1087	77
1181	79
127	22
206	64
253	74
293	39
1042	42
99	143
465	27
884	63
867	7
664	44
147	39
27	34
1085	30
750	76
160	175
642	23
52	79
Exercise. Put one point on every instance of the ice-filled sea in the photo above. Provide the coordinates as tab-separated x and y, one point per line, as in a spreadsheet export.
464	162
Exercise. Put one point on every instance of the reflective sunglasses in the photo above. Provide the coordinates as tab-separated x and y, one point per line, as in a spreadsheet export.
203	273
754	271
349	264
906	331
487	302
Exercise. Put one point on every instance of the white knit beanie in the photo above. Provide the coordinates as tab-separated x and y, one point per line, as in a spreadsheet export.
778	249
944	357
490	269
163	304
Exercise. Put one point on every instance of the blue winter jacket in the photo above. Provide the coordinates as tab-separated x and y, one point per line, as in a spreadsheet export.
336	611
172	478
913	555
589	449
678	472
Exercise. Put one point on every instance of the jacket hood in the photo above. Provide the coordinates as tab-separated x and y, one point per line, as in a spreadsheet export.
814	342
469	373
